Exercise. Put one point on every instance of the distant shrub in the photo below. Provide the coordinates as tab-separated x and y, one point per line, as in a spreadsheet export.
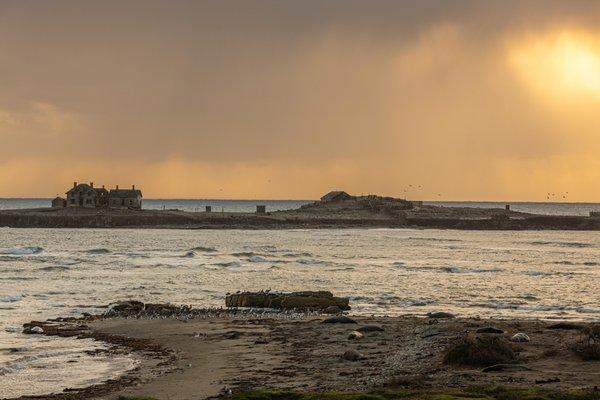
481	351
589	347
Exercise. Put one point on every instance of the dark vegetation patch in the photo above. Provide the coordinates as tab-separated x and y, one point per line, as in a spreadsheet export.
493	393
589	346
480	351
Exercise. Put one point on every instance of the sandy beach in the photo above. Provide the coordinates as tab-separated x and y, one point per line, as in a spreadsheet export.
196	354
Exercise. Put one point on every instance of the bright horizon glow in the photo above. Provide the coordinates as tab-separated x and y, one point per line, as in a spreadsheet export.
560	64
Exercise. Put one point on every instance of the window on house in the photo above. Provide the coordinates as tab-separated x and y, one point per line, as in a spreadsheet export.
72	201
88	201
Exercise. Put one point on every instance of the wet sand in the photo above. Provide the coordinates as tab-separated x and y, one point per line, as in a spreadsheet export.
209	354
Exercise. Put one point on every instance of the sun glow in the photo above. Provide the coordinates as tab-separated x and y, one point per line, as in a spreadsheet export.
564	64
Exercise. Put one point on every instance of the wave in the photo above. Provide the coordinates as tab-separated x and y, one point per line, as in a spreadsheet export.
19	251
11	298
295	255
97	251
257	259
460	270
55	268
245	254
560	244
308	261
228	264
204	249
430	239
544	273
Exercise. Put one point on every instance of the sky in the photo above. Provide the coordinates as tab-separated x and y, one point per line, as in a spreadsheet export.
434	100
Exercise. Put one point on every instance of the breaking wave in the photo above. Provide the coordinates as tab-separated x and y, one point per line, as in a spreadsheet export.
11	298
560	244
18	251
97	251
204	249
229	264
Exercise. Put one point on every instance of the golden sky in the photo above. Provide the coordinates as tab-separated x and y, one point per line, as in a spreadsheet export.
470	100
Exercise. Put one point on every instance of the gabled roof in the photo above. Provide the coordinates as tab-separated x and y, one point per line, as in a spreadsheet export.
335	194
124	193
81	188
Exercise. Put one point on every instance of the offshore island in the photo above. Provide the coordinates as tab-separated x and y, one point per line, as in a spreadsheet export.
88	207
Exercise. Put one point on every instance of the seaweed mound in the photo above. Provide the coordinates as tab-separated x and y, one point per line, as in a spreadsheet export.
481	351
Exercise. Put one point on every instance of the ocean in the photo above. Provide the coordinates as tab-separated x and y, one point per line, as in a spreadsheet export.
46	273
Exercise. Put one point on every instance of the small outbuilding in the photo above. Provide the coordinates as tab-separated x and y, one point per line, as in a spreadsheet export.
336	195
59	202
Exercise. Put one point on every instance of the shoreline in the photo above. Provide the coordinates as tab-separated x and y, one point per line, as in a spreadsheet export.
318	217
205	353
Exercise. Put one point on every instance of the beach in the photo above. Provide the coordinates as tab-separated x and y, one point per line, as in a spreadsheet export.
194	354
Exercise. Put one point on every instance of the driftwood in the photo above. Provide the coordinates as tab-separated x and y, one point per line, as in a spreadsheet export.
287	301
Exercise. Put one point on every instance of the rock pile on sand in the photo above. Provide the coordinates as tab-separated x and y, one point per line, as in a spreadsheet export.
309	300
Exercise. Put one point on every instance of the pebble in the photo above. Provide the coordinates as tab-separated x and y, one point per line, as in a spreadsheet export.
355	335
352	355
36	329
520	338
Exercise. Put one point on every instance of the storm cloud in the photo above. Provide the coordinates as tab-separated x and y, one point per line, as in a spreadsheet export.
287	99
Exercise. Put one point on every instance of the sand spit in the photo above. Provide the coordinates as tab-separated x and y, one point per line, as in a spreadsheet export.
191	353
346	214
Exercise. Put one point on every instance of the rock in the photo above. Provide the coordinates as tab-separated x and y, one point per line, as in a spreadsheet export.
129	306
35	330
549	380
490	329
520	338
354	335
341	319
566	326
370	328
506	368
332	310
440	315
352	355
319	300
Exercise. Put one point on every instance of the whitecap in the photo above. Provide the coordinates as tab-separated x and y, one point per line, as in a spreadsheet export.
11	298
22	250
227	264
257	259
460	270
307	261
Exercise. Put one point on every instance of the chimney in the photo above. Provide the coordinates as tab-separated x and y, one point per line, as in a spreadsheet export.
117	187
102	186
74	184
92	184
132	187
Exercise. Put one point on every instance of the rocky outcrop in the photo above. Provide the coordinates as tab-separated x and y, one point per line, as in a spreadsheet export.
287	301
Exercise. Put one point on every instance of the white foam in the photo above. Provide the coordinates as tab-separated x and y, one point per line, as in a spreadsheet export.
11	298
22	250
